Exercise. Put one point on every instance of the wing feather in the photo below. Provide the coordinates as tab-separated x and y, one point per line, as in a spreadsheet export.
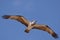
47	29
19	18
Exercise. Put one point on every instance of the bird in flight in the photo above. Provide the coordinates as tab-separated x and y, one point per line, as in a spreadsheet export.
31	25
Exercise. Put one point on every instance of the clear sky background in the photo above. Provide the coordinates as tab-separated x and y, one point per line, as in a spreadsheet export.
43	11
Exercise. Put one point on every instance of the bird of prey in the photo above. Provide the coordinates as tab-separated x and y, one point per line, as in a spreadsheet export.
31	25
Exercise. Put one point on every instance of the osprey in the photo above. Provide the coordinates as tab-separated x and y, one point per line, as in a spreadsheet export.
31	25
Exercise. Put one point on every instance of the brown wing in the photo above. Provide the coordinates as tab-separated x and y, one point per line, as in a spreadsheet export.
18	18
47	29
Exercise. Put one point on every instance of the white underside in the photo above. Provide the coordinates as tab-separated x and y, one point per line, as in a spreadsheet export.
30	25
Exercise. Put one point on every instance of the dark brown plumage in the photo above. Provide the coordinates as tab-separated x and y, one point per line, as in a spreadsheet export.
24	21
6	16
18	18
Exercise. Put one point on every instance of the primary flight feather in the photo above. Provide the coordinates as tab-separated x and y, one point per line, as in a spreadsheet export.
31	25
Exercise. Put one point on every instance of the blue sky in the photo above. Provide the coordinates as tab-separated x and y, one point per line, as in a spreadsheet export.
43	11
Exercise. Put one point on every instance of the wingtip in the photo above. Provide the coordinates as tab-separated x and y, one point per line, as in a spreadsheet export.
5	16
55	35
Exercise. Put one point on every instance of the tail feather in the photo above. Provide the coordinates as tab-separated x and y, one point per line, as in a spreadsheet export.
55	35
6	16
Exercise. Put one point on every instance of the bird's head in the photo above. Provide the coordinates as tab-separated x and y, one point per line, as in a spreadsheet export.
33	22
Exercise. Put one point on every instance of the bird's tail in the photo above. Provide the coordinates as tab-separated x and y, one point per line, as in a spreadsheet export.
5	16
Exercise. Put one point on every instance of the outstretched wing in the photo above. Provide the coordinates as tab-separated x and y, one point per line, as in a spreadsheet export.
47	29
19	18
